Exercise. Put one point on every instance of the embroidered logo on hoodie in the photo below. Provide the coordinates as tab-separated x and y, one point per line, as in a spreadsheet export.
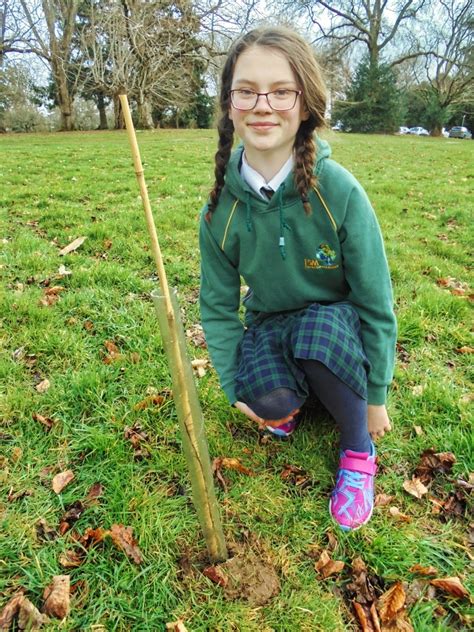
325	258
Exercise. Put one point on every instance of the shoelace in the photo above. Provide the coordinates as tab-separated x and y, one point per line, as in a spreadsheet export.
354	480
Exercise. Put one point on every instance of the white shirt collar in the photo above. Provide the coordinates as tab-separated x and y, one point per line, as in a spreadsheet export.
256	181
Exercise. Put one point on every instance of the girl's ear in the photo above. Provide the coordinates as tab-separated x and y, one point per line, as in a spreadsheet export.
304	113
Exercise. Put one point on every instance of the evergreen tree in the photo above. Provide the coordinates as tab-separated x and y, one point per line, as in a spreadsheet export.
373	102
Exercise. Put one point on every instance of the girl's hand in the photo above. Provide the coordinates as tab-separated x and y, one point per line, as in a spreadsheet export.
378	421
248	412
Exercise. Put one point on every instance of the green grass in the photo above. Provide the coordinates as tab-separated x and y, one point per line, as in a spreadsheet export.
59	187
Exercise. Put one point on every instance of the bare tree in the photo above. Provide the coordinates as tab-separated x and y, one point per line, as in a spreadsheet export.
445	75
375	26
146	49
48	29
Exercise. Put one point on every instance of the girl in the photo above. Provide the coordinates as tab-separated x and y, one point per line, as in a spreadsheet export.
300	231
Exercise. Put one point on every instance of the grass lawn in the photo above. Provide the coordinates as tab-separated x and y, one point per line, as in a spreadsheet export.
77	364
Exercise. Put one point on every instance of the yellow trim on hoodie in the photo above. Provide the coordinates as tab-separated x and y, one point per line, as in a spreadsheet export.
228	223
321	199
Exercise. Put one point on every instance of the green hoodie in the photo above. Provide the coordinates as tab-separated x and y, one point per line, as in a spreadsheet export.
289	260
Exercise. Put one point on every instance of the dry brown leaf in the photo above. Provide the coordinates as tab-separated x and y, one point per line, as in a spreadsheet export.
415	487
29	617
71	559
196	335
216	575
383	499
123	538
396	513
176	626
229	463
61	480
95	492
10	610
401	623
199	365
465	350
418	430
452	586
113	353
151	400
43	386
74	245
326	567
56	597
363	617
44	532
432	463
46	421
423	570
391	602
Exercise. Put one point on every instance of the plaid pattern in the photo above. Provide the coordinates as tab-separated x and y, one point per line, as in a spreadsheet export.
271	348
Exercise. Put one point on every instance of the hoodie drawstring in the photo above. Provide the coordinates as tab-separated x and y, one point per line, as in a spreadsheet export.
248	219
283	224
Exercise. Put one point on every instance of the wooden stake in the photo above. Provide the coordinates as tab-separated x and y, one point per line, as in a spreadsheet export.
184	388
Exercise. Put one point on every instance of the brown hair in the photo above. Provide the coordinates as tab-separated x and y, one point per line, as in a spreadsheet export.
308	75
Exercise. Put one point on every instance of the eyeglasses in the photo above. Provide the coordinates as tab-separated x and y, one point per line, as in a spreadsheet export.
278	100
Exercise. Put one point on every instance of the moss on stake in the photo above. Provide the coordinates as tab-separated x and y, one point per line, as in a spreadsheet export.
184	389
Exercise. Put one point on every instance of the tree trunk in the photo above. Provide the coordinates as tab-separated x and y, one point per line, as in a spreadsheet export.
144	117
102	114
64	96
119	122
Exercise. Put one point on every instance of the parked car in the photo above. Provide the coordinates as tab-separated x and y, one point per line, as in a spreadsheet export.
403	130
459	132
418	131
337	127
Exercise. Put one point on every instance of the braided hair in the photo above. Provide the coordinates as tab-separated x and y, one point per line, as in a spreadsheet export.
308	75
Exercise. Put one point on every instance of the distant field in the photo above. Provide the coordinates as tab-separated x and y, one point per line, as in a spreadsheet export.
80	358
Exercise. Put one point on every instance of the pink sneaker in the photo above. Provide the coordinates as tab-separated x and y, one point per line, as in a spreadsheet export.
286	427
352	500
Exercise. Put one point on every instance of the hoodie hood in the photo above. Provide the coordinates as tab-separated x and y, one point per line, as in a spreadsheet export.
239	189
286	192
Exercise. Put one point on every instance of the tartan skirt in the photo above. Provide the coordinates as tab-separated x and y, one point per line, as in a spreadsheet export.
271	348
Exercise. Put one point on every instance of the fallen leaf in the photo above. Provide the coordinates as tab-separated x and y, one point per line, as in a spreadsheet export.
134	357
74	245
418	430
16	454
43	386
10	611
465	350
326	567
63	271
72	515
46	421
418	390
196	335
451	585
29	617
367	617
107	244
415	487
56	597
199	365
228	463
423	570
362	588
13	496
295	475
94	493
137	436
71	559
383	499
113	353
396	513
44	532
151	400
176	626
432	463
391	602
215	574
123	538
61	480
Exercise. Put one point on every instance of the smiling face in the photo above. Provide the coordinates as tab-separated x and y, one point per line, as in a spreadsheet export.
268	136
